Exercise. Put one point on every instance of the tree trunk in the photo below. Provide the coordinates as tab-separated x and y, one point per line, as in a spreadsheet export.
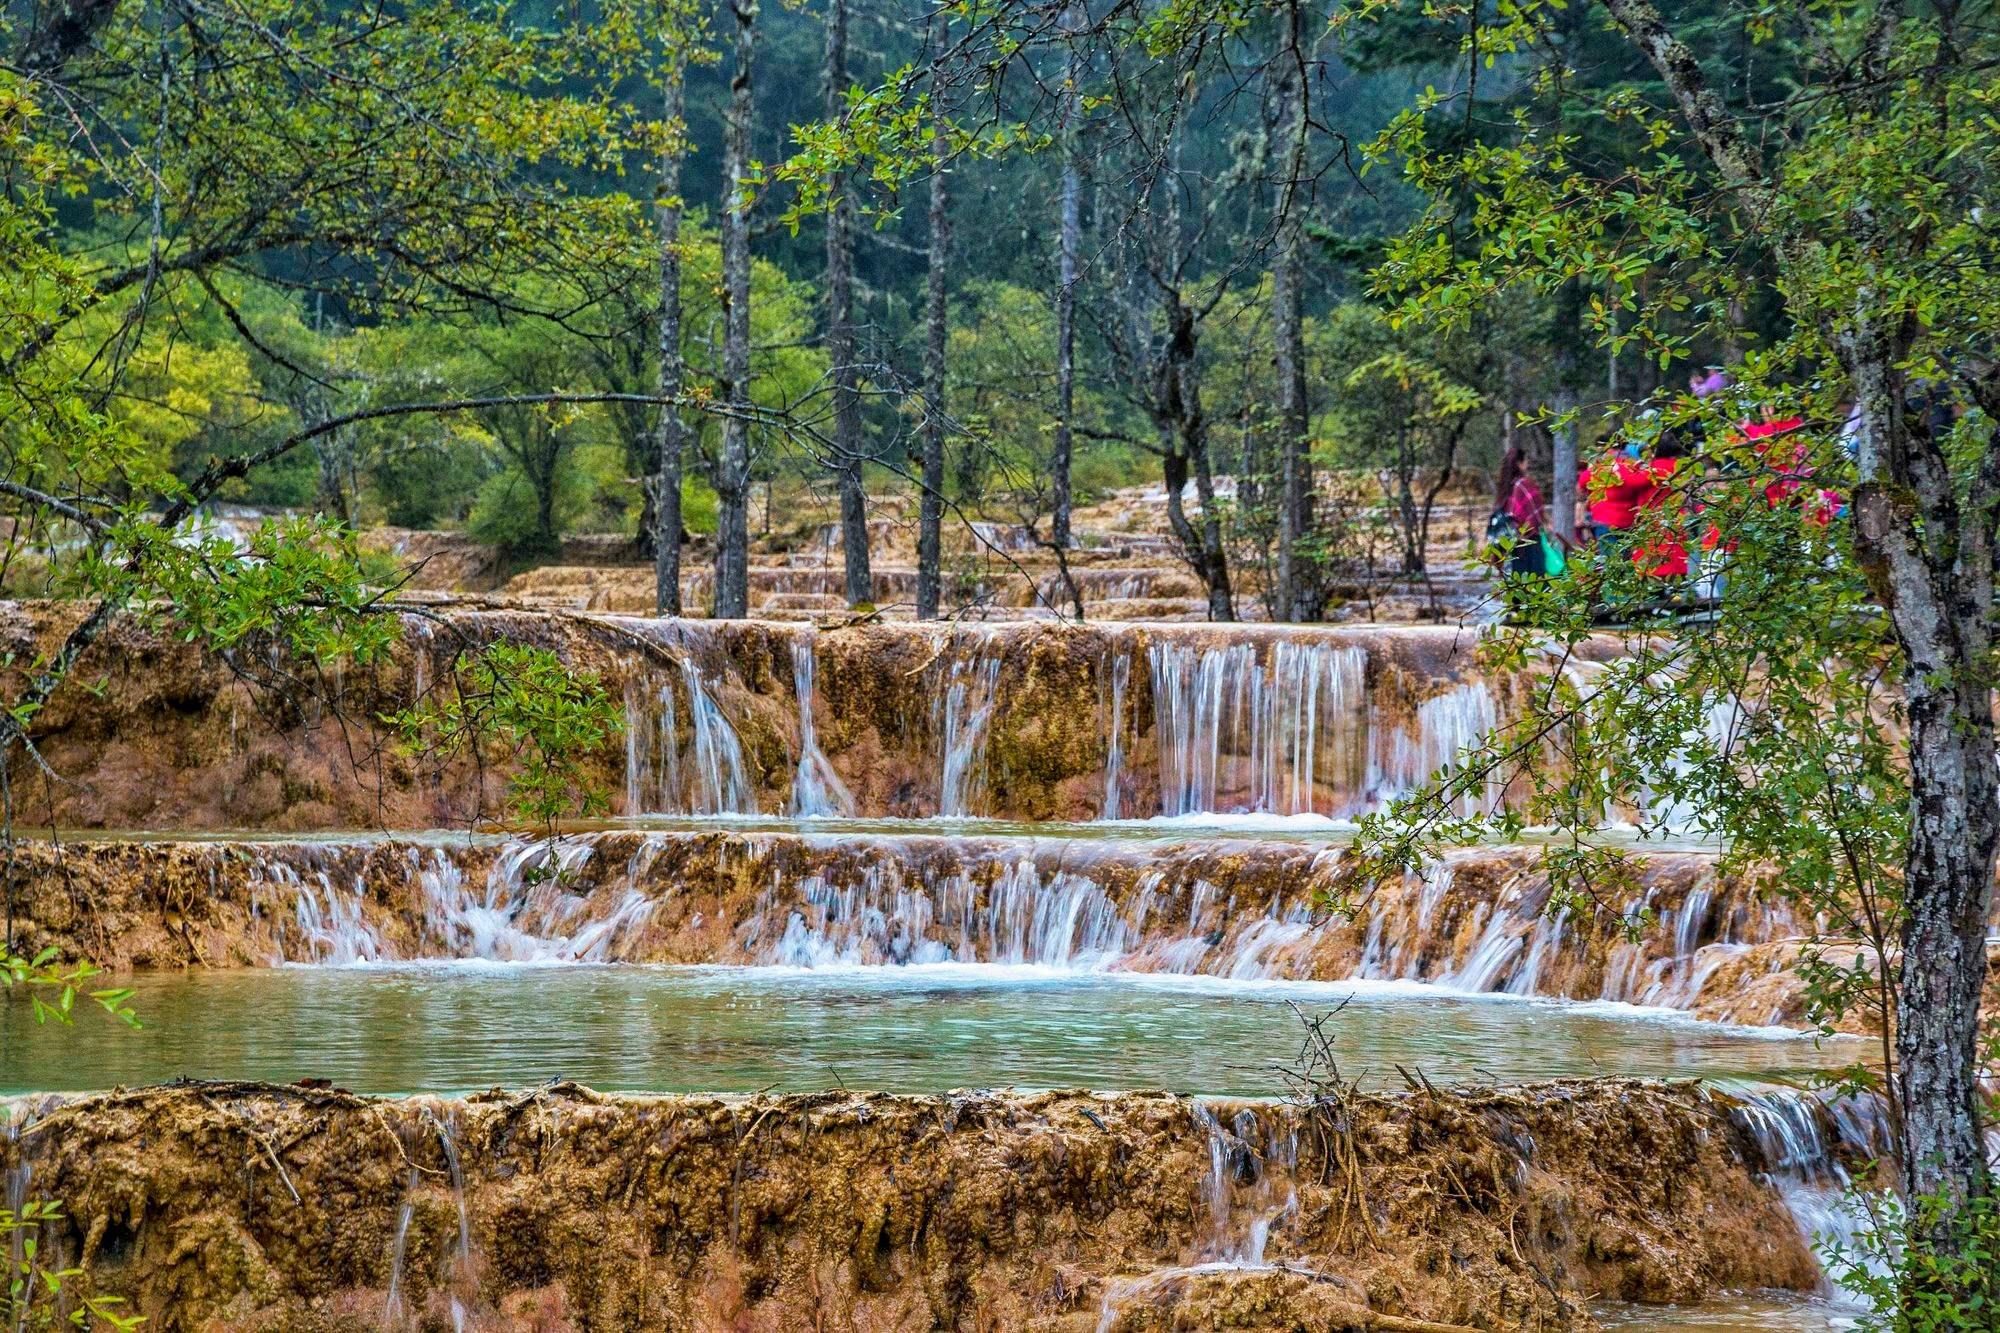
732	465
1178	414
543	478
670	436
1948	882
1069	241
1933	573
930	510
840	339
1298	594
1562	484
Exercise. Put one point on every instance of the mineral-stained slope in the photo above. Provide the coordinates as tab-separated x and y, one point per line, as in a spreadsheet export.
1031	720
258	1207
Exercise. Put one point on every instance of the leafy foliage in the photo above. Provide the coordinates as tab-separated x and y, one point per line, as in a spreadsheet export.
54	988
36	1295
525	704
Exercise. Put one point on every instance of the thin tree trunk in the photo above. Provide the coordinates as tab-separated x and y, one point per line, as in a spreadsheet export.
1562	485
1298	596
1070	241
840	339
670	435
1179	414
1937	584
732	466
930	510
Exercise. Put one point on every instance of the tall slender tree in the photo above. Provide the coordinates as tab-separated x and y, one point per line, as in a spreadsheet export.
841	344
1563	403
670	434
930	506
1849	153
1069	242
1298	593
732	464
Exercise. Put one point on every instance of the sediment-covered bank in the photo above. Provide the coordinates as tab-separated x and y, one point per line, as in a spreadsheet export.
1237	908
1025	720
262	1207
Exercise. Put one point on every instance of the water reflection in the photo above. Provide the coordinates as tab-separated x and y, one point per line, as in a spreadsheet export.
455	1027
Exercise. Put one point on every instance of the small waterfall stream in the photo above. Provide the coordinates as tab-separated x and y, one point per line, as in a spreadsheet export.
703	774
1249	1188
1804	1140
816	789
964	710
395	1313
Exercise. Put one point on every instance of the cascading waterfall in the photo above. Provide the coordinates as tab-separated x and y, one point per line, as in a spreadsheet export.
1114	753
526	911
964	714
816	788
1515	939
1803	1139
333	921
1064	920
1472	921
1446	726
707	776
1276	734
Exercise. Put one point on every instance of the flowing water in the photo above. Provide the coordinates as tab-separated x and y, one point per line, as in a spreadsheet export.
707	943
912	1029
1752	1312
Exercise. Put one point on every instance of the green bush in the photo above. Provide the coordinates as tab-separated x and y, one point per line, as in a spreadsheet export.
505	512
1915	1288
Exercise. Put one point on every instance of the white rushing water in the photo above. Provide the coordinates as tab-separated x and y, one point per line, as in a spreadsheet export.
817	790
703	774
1114	749
964	708
1240	731
1805	1140
1264	724
890	899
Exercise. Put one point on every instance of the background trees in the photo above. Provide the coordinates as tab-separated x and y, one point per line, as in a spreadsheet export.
532	181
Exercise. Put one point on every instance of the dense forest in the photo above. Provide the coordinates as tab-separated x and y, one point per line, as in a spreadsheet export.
1071	252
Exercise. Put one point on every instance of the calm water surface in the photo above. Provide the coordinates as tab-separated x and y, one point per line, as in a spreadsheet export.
457	1027
1777	1311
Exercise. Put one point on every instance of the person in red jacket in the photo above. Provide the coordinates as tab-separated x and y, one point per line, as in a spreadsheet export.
1622	488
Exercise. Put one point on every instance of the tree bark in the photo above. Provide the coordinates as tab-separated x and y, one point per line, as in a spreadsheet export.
1298	593
840	339
732	465
669	435
930	509
1184	431
1932	569
1069	242
1565	465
